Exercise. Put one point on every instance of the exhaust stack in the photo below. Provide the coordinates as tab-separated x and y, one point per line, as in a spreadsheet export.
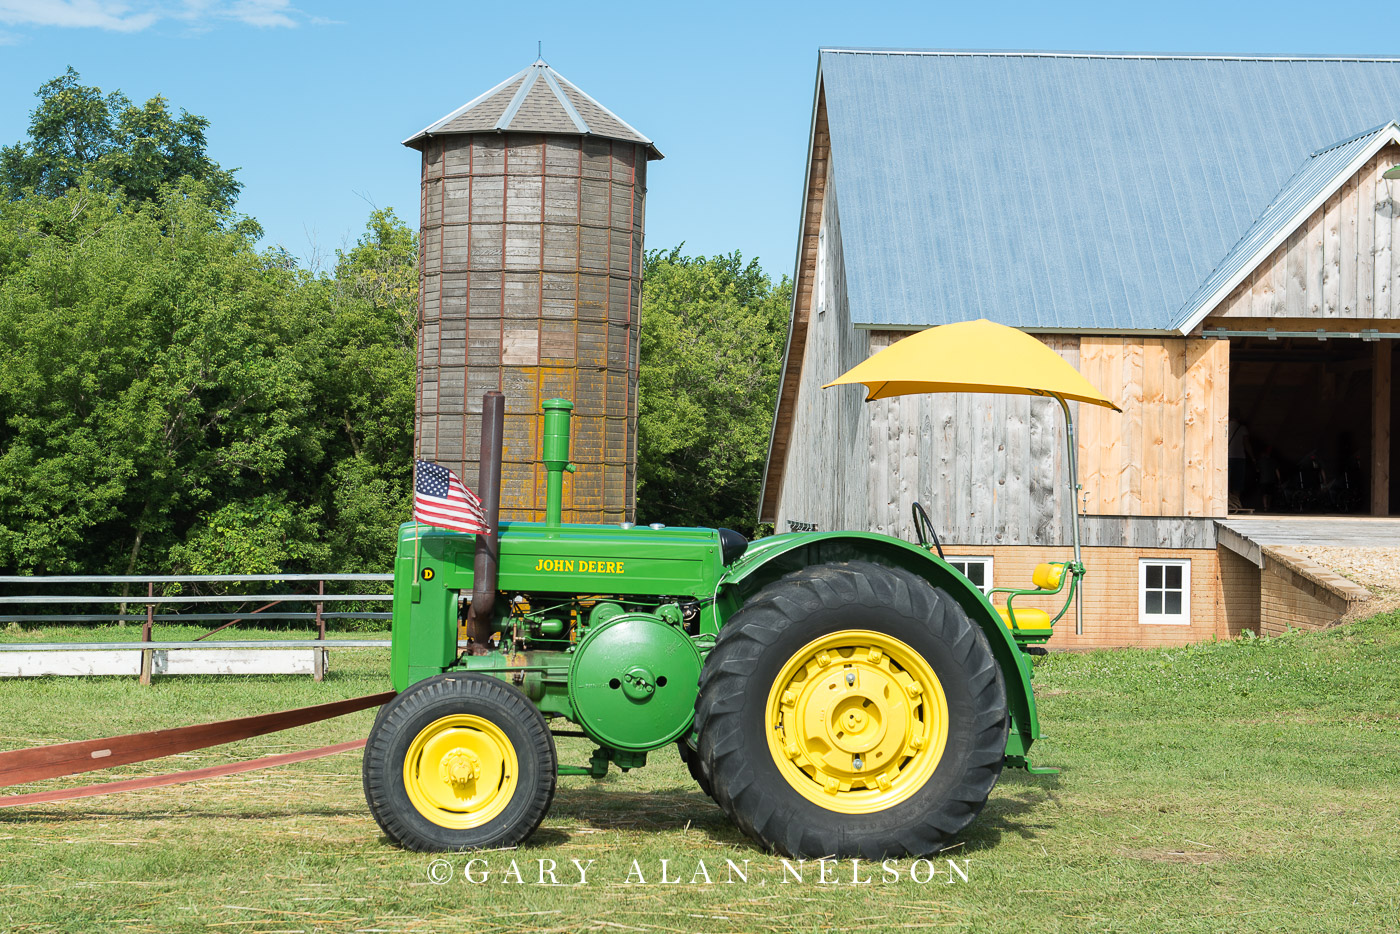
487	569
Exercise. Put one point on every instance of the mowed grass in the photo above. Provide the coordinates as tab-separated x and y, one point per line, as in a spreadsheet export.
1250	786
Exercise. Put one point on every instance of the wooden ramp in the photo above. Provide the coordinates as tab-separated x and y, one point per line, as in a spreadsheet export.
1333	531
1295	591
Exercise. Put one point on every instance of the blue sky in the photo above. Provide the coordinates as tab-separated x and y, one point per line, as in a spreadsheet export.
311	99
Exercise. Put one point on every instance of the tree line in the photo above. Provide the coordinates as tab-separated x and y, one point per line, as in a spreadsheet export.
175	399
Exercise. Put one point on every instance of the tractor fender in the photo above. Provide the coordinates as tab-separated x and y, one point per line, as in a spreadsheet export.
770	558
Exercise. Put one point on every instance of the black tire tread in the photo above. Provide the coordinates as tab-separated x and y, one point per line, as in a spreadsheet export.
760	808
381	773
691	758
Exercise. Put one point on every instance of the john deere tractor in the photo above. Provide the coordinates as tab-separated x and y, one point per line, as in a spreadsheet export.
836	693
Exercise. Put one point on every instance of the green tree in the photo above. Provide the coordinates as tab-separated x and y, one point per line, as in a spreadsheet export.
711	348
366	399
153	369
77	131
171	399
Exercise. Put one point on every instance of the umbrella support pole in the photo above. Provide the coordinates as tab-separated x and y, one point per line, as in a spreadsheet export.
1070	452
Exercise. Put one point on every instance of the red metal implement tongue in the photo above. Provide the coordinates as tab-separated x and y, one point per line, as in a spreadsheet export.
175	778
39	762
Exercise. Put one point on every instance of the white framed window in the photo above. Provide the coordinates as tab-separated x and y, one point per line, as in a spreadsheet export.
977	570
1164	591
821	269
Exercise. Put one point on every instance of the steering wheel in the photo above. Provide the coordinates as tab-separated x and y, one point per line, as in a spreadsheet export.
923	528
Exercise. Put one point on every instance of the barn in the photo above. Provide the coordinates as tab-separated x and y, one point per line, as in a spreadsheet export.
1210	240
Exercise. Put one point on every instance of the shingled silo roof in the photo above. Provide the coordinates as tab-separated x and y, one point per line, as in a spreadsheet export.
536	100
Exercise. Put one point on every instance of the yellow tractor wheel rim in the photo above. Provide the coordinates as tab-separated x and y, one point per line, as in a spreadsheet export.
460	771
857	721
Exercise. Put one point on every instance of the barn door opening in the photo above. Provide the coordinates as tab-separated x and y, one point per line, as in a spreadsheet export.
1311	426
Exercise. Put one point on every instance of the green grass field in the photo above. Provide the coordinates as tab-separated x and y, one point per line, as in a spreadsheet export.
1249	786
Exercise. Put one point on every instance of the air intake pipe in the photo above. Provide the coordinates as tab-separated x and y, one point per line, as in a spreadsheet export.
556	457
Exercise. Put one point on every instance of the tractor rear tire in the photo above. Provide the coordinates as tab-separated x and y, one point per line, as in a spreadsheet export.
691	758
459	762
852	710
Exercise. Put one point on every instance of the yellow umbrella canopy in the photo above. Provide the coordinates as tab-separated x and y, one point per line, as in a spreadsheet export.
972	356
982	356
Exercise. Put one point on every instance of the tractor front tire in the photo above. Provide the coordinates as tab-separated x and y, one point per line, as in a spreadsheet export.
851	710
459	762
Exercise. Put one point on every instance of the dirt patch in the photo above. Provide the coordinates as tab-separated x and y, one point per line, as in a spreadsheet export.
1189	857
1376	569
1373	568
1382	602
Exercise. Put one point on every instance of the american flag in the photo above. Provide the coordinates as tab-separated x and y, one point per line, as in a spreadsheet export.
440	499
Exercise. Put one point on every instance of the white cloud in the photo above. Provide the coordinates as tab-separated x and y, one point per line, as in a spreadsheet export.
119	16
101	14
262	12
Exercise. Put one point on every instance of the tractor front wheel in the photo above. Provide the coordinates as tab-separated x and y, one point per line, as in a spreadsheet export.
852	710
459	761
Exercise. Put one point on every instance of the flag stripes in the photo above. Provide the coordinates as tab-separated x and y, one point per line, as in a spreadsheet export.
441	500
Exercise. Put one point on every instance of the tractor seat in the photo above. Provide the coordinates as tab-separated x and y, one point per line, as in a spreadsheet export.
1047	576
1026	618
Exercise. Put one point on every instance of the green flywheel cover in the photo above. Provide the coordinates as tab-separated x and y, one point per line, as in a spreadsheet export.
633	682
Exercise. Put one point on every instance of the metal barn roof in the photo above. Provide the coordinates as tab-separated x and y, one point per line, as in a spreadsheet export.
1320	175
1077	191
535	100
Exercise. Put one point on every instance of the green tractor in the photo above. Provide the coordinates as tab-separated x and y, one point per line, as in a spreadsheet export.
841	693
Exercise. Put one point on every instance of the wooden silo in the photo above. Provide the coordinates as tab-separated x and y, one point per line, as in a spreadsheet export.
530	282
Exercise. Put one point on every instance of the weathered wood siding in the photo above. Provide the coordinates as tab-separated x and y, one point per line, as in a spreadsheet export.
990	469
795	388
531	270
987	468
1165	455
827	477
1344	262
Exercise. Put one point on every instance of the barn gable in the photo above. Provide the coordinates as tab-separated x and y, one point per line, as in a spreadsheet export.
1298	204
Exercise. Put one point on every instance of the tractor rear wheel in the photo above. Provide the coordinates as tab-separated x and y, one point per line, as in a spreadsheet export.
691	758
852	710
459	761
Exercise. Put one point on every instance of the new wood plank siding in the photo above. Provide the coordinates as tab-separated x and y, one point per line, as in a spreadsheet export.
1342	263
1165	455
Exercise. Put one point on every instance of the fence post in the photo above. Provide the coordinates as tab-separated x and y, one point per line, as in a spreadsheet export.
147	655
319	665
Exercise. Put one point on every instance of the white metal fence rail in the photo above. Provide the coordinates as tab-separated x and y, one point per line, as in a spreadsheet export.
31	600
